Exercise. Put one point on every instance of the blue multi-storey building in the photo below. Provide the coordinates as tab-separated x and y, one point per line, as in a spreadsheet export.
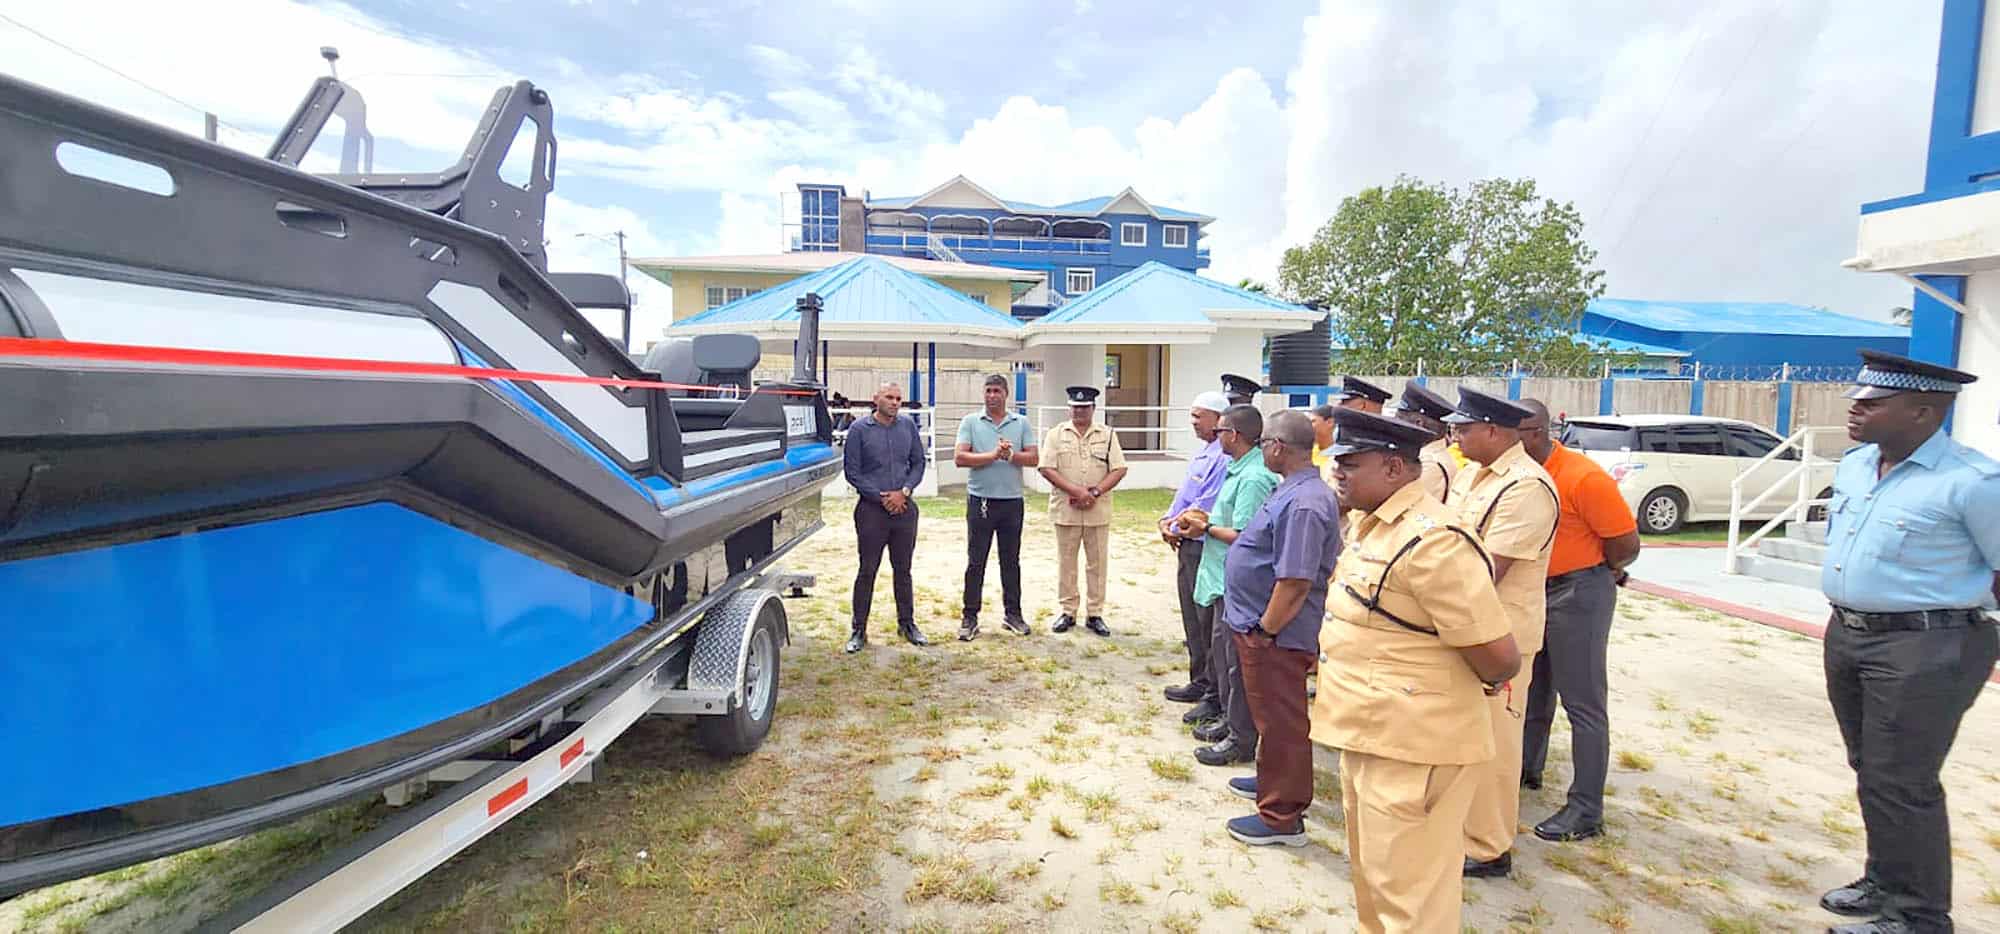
1077	246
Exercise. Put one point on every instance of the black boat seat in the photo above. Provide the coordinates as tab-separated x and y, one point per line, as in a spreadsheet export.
703	414
705	360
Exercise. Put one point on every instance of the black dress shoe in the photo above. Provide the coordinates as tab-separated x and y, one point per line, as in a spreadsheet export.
1568	824
856	641
1185	693
1877	926
968	630
1064	623
1015	624
1858	899
1206	710
912	634
1227	752
1531	782
1212	731
1096	625
1496	868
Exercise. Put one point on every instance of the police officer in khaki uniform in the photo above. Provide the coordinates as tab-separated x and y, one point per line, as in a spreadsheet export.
1082	461
1361	395
1426	409
1415	636
1508	500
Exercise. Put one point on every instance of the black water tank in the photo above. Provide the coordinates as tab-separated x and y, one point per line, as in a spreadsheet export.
1304	358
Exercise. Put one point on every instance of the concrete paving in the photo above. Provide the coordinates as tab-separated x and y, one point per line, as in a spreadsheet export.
1698	571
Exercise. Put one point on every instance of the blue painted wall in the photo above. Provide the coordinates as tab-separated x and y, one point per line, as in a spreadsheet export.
1748	350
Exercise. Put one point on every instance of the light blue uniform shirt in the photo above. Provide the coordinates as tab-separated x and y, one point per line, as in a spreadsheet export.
998	480
1926	536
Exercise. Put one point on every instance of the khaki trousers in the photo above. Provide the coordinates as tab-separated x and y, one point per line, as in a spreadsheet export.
1093	538
1404	822
1496	808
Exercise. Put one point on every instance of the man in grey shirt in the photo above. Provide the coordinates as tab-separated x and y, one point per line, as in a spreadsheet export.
884	460
995	443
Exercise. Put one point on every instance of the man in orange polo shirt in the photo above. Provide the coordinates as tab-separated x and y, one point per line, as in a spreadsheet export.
1596	538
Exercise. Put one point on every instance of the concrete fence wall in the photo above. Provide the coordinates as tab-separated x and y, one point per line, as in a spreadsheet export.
1782	406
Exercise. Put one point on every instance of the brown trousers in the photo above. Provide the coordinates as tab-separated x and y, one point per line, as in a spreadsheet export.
1274	681
1495	815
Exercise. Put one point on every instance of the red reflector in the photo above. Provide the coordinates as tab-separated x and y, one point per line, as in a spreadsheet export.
569	755
499	802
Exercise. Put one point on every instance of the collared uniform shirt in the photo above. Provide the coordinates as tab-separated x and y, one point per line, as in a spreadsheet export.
1510	505
1245	487
998	480
1439	467
1205	473
878	458
1388	691
1926	536
1083	458
1294	535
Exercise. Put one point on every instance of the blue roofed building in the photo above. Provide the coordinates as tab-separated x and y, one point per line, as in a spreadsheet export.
1076	246
1748	340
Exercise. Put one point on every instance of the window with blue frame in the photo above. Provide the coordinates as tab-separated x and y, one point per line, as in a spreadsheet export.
819	219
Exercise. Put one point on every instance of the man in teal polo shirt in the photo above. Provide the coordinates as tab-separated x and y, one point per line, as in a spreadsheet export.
1244	488
995	443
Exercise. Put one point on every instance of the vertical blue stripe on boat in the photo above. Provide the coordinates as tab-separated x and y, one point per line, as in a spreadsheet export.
162	666
509	391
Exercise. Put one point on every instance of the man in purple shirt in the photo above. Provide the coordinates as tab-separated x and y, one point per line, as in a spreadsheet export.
1205	473
1274	597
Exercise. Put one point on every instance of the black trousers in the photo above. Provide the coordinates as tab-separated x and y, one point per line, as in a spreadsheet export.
1228	671
1199	629
1570	667
985	520
1898	697
875	529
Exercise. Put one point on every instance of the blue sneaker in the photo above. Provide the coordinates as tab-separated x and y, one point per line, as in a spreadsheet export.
1252	830
1245	787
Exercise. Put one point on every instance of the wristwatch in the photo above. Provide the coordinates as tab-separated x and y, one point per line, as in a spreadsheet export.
906	492
1095	494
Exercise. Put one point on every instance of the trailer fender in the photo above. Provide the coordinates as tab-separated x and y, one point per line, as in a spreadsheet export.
722	644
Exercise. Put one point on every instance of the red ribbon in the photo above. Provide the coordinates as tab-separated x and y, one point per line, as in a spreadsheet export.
18	347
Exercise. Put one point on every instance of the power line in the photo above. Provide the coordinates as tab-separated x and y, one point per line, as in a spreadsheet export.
1640	147
24	27
1632	220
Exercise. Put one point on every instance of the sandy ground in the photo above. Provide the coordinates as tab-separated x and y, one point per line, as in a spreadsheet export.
1731	807
1043	783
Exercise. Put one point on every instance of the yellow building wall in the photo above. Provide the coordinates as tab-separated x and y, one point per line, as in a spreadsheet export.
690	288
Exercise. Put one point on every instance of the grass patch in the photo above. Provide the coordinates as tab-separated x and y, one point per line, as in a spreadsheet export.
1267	920
1173	770
1120	892
45	907
1061	828
1702	723
1039	786
1181	922
1635	761
1720	924
1785	879
1225	898
999	770
1024	870
987	790
1837	827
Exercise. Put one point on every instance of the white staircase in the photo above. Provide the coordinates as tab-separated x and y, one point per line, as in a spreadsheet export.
1792	559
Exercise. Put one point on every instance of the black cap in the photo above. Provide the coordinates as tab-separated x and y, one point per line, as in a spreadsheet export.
1475	406
1239	389
1886	374
1424	402
1351	388
1355	430
1082	395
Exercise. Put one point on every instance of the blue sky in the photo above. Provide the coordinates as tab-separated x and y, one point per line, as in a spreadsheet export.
1718	152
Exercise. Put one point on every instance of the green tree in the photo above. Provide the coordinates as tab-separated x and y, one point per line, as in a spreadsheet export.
1248	284
1480	275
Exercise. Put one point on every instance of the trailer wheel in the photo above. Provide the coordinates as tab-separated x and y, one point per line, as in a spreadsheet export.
740	731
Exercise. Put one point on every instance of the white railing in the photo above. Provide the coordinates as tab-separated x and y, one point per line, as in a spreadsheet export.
1045	417
1798	479
939	250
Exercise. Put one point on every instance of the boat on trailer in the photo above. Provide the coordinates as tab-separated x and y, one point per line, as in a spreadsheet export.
313	484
